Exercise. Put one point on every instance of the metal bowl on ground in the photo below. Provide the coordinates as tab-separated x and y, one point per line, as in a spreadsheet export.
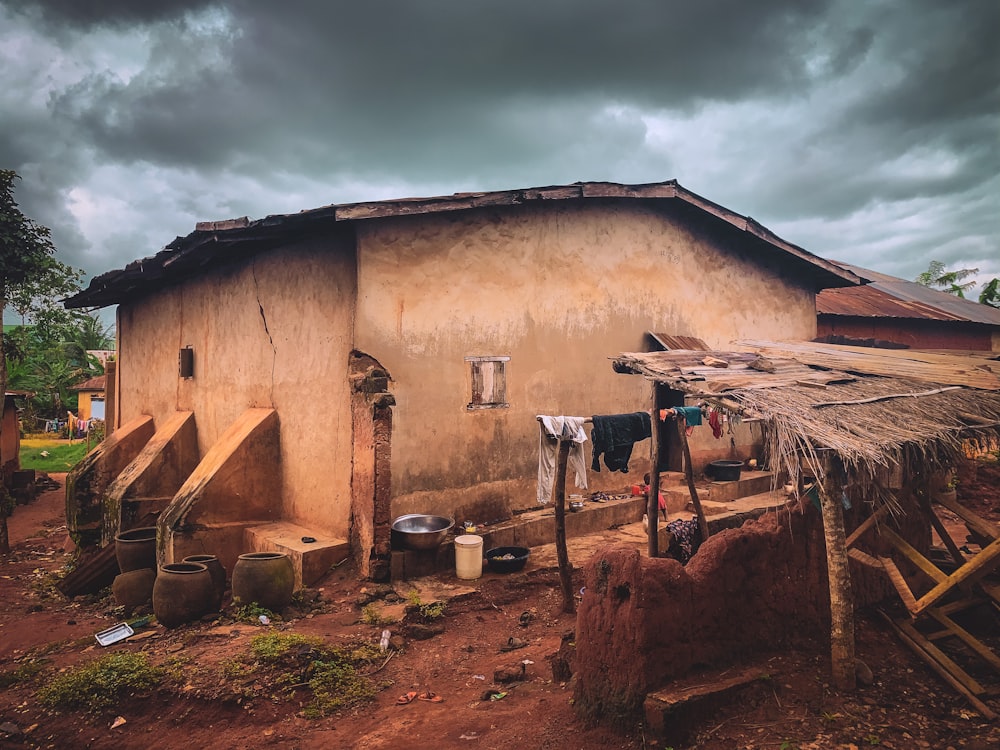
419	531
507	559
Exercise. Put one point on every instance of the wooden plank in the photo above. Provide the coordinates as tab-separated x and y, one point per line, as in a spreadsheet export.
864	558
983	563
981	707
873	399
924	565
897	580
952	627
979	525
865	525
942	532
967	681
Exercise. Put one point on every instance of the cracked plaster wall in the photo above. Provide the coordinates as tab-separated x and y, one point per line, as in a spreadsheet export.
297	364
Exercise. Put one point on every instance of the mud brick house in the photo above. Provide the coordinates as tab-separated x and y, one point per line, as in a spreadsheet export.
320	373
896	312
91	398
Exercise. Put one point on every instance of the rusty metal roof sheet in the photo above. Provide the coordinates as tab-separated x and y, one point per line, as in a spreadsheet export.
671	341
213	243
98	383
890	297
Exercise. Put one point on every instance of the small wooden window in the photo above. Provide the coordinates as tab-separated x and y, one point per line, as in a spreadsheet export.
489	382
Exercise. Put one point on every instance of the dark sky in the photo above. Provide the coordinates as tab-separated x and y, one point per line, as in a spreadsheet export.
862	130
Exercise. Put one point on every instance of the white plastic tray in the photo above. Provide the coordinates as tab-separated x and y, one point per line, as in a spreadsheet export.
114	634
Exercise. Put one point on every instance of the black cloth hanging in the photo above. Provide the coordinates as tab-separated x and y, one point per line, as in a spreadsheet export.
614	435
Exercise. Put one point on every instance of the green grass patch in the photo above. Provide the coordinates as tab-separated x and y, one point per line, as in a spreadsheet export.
60	456
23	673
101	683
286	662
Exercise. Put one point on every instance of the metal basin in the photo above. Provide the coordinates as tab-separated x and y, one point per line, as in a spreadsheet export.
419	531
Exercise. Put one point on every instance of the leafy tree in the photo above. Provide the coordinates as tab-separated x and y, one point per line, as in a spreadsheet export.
31	281
991	293
948	281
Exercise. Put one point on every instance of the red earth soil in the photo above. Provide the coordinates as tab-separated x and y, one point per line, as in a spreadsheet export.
458	657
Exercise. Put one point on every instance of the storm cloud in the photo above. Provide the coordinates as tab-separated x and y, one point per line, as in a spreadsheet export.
863	131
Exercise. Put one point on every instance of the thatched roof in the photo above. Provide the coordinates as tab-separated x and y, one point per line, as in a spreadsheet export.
874	408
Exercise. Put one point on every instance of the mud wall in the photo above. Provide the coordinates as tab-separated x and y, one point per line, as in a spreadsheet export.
753	590
559	289
271	332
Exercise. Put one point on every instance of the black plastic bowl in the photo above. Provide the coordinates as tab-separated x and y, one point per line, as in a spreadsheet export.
725	471
510	565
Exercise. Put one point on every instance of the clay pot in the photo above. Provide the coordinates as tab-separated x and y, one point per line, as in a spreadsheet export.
136	549
134	588
267	578
215	570
183	592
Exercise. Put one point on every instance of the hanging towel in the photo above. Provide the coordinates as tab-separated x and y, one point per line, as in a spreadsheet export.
692	414
566	428
715	420
614	435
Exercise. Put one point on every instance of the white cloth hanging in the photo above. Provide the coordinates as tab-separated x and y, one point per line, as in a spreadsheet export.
565	428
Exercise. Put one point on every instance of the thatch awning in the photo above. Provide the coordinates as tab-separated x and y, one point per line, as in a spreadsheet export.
874	408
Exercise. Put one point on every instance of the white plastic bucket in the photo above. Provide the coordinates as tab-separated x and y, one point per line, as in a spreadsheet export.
468	556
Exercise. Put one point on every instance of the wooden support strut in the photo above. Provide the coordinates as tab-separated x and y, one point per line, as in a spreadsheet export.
565	569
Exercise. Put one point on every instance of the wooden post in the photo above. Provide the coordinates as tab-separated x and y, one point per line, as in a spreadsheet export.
565	570
841	601
652	501
689	476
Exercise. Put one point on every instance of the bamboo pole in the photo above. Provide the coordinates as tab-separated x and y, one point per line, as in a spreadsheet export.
565	569
652	500
689	476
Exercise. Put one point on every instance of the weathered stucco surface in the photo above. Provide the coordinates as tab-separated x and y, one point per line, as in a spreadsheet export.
271	332
559	289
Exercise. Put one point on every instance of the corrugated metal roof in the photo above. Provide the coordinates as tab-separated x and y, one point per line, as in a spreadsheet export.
890	297
94	384
669	341
213	243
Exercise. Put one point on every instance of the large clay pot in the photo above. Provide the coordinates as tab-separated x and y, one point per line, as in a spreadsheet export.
183	592
136	549
134	588
215	570
264	577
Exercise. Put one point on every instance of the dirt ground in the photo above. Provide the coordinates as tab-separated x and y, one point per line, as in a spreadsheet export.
457	657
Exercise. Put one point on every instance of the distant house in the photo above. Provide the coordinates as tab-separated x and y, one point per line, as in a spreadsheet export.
898	312
319	373
91	398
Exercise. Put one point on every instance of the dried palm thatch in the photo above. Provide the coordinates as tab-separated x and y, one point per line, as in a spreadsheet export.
874	424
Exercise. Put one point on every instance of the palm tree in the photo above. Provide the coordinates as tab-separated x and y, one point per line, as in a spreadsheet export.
991	293
948	281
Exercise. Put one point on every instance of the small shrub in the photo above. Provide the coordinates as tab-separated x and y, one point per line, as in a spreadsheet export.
24	672
101	683
252	613
370	615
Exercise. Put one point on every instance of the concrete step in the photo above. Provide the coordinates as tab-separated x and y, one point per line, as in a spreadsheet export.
311	560
537	527
678	497
749	483
531	529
